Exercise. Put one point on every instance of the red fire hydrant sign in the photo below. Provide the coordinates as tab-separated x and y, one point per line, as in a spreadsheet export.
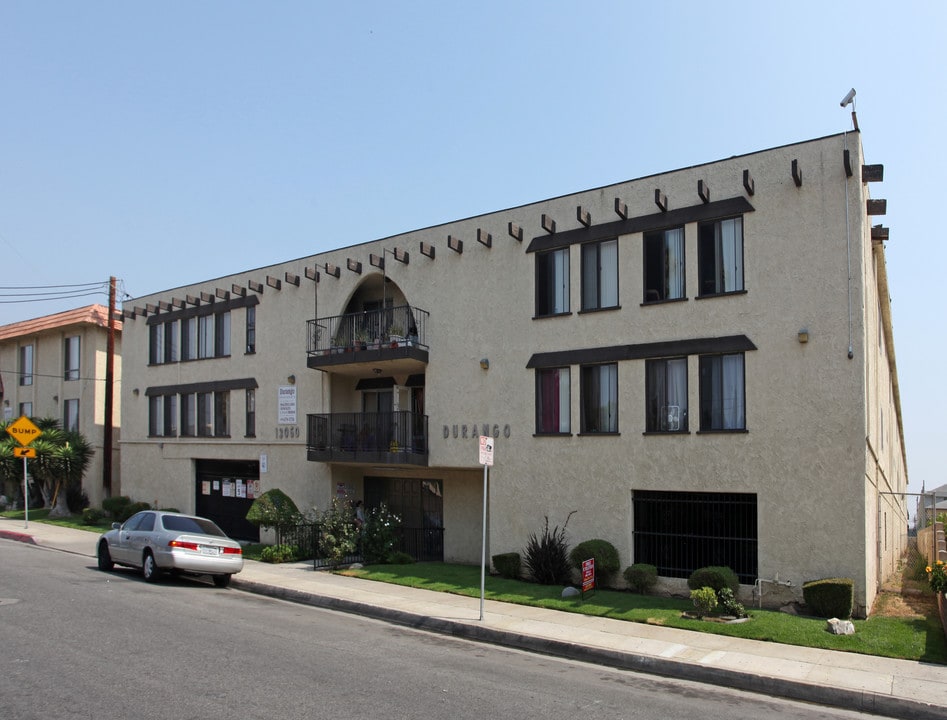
588	576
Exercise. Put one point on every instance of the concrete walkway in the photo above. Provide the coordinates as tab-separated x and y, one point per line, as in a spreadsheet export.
893	688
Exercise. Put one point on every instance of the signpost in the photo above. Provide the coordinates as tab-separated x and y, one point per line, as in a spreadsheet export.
24	432
588	576
486	459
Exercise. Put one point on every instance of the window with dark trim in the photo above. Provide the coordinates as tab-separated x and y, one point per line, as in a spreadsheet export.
163	416
26	409
222	334
679	532
553	404
552	282
222	414
156	339
70	415
205	336
251	412
70	361
666	395
188	415
26	365
600	275
189	338
720	256
599	398
171	333
664	265
722	392
251	329
205	414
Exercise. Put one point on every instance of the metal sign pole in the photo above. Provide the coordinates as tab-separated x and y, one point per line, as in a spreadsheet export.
26	497
483	544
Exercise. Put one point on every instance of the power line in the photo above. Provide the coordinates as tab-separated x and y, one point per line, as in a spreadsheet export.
49	287
55	297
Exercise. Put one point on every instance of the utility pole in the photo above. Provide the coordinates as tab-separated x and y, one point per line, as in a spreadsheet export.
109	394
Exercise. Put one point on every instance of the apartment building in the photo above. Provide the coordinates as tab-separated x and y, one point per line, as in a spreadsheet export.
698	363
55	366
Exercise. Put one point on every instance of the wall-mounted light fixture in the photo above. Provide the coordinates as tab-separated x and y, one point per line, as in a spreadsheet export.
803	335
291	379
484	363
55	398
135	392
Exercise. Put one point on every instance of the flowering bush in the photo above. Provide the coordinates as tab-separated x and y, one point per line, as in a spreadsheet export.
937	577
378	535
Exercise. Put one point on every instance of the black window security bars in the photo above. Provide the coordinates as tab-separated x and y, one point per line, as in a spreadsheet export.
395	437
679	532
402	326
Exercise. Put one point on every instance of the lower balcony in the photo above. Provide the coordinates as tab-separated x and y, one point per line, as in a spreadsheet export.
395	438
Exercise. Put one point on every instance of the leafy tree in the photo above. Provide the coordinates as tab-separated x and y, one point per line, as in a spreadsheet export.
62	458
273	509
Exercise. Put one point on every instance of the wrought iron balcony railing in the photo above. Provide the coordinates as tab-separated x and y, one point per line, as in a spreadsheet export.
402	326
399	438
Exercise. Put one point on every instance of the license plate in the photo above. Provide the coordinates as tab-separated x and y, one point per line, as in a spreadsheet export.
209	550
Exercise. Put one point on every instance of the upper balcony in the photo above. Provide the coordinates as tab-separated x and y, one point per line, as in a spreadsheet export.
394	339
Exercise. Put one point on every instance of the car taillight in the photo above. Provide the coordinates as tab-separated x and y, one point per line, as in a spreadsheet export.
183	545
233	551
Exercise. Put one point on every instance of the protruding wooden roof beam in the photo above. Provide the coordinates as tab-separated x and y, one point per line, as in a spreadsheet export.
484	238
255	286
333	270
583	216
207	297
401	255
748	183
273	282
223	294
515	231
549	225
661	200
312	274
879	233
877	207
238	290
796	173
873	173
703	191
455	244
621	208
427	250
291	279
354	265
377	261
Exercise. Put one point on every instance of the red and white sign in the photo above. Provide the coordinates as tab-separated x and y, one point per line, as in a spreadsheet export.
588	575
486	450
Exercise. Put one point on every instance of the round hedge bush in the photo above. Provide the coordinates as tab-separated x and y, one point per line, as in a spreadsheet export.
607	563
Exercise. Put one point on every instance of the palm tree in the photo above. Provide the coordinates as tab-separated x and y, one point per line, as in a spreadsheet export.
62	457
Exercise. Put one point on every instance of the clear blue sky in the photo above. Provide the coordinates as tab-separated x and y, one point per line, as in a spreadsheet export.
168	143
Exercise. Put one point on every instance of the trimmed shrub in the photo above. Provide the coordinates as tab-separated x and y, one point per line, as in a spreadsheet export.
114	505
507	565
830	597
547	560
607	563
128	510
273	509
704	599
92	516
278	554
715	577
400	558
641	577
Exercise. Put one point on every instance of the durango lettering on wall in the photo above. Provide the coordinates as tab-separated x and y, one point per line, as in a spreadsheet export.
475	430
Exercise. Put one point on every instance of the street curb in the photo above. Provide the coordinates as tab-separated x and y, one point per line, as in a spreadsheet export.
18	536
861	701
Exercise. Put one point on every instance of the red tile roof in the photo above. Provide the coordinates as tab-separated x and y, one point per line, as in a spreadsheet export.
88	315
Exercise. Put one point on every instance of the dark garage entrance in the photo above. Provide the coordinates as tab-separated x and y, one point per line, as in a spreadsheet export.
225	491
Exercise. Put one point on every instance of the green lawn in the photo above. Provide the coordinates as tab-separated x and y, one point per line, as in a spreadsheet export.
907	638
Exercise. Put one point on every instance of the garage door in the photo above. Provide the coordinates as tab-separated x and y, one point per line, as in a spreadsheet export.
225	491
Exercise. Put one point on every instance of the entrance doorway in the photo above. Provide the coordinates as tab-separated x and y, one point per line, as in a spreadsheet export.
420	505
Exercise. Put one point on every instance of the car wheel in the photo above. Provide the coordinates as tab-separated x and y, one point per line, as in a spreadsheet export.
149	568
105	557
221	581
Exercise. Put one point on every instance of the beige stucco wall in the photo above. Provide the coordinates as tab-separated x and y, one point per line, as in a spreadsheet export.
809	407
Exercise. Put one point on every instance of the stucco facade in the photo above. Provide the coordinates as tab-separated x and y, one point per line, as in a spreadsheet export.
37	382
785	398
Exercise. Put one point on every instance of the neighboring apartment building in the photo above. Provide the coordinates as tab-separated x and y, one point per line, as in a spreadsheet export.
700	363
55	366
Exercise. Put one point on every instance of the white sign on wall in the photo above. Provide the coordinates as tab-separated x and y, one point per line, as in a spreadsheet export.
286	407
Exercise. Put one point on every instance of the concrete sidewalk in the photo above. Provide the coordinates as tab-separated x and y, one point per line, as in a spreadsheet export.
893	688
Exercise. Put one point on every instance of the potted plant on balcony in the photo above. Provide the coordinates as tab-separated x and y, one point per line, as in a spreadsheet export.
396	335
361	339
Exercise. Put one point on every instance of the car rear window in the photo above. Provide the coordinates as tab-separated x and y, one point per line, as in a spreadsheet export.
183	523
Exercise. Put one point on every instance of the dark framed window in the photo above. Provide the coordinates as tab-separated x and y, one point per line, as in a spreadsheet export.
163	415
722	392
222	334
156	344
189	338
600	275
70	415
70	362
664	265
552	282
679	532
553	404
222	413
26	409
26	365
188	415
599	398
205	336
666	393
251	329
171	335
205	414
251	412
720	256
155	415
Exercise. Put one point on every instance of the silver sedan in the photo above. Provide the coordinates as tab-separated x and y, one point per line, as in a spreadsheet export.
157	541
